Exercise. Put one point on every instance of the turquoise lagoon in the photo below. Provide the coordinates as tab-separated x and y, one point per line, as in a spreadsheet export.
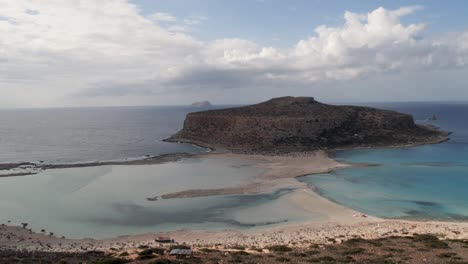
109	201
426	182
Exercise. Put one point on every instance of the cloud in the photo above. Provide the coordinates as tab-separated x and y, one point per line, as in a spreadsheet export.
194	20
71	52
162	17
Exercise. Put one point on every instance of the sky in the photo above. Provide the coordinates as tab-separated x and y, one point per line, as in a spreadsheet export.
56	53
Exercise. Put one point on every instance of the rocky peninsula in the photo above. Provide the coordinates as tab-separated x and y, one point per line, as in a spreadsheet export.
297	124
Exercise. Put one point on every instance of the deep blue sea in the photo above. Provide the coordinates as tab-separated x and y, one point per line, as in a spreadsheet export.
425	182
65	135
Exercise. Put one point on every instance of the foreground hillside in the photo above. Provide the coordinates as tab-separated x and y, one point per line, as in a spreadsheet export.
412	249
291	124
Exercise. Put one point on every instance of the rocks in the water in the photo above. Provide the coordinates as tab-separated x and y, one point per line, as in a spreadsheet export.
202	104
290	124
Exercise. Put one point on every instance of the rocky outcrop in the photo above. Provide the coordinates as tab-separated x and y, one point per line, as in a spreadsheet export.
291	124
202	104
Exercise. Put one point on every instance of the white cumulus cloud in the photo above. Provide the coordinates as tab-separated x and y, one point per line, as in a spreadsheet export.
161	16
56	52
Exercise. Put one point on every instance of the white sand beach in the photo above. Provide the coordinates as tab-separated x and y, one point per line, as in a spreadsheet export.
335	224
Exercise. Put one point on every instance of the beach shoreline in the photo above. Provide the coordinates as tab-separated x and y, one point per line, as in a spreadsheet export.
336	224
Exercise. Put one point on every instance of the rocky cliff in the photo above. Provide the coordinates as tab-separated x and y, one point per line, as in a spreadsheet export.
291	124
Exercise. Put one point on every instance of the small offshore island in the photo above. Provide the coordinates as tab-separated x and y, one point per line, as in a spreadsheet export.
283	138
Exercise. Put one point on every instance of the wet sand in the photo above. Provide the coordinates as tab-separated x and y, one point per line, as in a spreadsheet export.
277	172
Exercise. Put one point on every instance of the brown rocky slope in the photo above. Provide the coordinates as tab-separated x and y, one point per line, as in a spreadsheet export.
292	124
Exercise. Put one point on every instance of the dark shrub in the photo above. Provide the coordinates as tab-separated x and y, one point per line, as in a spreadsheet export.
283	259
353	251
280	248
161	261
146	252
179	247
113	261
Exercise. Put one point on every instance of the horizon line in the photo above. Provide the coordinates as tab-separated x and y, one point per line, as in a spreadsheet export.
231	104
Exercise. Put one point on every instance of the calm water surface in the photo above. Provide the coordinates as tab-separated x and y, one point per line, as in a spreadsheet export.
109	201
426	182
89	134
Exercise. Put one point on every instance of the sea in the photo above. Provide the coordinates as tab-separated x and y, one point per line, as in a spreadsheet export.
68	135
426	182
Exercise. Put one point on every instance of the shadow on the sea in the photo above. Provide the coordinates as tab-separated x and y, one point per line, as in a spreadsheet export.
433	164
426	203
423	215
138	215
431	210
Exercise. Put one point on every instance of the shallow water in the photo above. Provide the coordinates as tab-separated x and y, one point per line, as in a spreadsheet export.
425	182
109	201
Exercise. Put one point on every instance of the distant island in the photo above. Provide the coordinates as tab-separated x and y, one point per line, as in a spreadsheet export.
292	124
201	104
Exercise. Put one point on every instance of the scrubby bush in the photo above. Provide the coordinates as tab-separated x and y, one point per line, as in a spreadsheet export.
179	247
113	261
238	247
353	251
283	259
161	261
280	248
146	252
